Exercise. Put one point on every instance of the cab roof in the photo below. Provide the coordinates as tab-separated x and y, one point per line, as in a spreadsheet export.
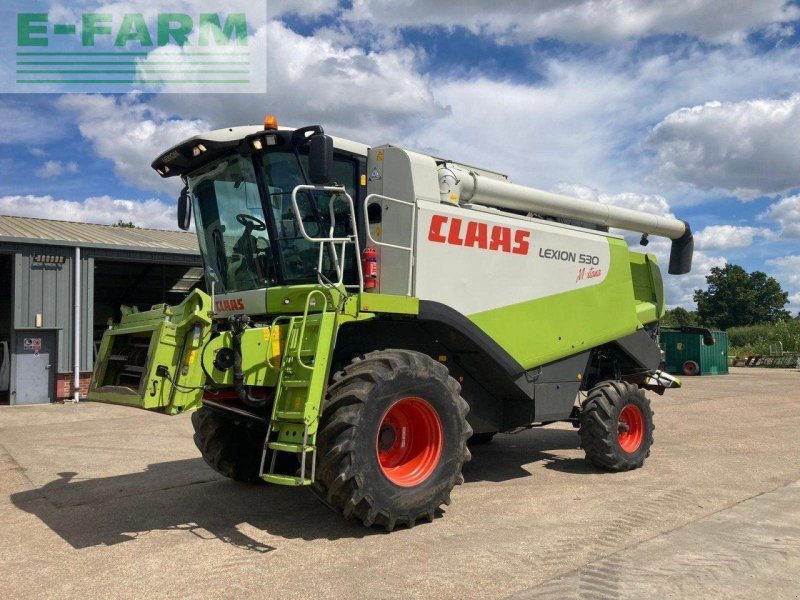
180	160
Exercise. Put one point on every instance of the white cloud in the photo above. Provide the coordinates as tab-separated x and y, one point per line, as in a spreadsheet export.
129	133
747	148
105	210
585	119
581	20
650	203
726	237
303	8
54	168
368	95
786	214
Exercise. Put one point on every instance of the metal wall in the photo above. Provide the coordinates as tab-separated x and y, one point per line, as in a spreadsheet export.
48	289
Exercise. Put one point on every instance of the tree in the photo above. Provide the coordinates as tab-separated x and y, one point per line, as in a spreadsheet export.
735	298
125	225
680	317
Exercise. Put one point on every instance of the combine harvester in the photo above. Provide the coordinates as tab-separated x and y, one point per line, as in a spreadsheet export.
374	311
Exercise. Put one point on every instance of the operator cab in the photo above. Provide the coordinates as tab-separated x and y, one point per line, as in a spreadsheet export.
239	183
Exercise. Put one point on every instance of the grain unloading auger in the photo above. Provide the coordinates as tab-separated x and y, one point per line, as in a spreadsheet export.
374	311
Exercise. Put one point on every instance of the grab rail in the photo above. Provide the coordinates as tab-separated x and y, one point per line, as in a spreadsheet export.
339	192
410	248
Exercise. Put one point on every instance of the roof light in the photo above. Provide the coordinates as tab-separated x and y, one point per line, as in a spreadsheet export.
198	150
271	122
257	145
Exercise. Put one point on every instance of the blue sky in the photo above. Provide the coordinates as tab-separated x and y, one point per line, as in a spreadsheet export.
691	108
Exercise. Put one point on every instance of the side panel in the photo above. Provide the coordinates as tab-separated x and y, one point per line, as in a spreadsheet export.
542	291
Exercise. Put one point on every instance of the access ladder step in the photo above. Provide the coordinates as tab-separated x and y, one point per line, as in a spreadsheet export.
286	479
299	383
290	447
290	416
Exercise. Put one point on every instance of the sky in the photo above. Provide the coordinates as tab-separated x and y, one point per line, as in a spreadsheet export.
681	107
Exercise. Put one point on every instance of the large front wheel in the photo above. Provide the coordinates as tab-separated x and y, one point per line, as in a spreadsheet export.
392	439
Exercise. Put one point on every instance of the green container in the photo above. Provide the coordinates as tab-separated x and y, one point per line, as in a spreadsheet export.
682	349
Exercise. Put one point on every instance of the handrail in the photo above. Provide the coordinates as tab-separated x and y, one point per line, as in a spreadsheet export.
410	248
339	192
305	320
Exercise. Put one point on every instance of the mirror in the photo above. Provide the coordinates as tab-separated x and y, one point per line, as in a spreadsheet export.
320	158
184	209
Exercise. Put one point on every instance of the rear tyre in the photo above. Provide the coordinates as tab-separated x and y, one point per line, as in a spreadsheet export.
480	439
232	449
392	440
616	426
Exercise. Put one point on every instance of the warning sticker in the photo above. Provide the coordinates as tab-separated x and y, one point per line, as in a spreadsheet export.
32	344
375	175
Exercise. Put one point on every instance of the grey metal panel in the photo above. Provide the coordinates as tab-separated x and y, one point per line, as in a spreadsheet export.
35	371
89	235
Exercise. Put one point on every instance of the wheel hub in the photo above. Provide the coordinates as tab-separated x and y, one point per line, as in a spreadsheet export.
630	428
409	442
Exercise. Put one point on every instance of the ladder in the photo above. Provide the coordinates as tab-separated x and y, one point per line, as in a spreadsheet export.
300	390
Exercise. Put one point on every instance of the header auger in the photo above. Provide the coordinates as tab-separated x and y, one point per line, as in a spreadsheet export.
375	310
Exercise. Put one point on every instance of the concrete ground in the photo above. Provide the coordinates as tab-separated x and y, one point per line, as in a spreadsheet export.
105	501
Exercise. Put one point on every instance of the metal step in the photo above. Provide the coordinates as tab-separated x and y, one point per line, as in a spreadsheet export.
288	447
286	479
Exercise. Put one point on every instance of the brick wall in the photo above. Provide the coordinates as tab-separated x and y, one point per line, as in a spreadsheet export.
64	387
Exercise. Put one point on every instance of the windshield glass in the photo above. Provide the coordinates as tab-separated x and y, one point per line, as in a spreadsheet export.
231	227
233	230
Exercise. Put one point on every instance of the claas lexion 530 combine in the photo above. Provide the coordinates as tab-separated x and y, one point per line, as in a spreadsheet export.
373	311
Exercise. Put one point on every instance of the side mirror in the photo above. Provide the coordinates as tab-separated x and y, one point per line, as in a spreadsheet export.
320	158
184	209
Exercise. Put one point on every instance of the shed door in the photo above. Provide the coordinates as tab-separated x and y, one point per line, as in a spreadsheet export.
35	366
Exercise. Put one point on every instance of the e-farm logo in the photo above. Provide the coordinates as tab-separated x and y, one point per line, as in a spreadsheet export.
111	51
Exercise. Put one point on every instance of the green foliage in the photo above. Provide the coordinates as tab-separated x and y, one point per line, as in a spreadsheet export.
125	225
680	317
737	298
755	339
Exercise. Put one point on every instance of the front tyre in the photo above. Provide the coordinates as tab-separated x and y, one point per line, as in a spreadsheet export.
392	439
616	426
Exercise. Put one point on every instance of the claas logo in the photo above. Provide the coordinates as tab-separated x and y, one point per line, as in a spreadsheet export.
229	305
474	234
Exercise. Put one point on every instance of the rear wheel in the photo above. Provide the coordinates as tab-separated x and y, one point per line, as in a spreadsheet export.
616	426
392	439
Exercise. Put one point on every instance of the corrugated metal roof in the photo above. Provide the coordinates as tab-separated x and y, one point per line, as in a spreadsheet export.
91	235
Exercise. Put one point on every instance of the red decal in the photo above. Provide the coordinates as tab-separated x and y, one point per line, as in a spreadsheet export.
477	235
455	230
501	239
435	233
229	305
521	244
446	230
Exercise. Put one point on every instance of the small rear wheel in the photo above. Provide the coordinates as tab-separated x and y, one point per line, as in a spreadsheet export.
616	426
392	439
691	368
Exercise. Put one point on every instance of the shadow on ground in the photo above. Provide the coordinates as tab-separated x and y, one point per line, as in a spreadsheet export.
506	457
187	495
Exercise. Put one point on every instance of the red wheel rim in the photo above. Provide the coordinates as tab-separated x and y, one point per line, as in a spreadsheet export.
409	442
630	430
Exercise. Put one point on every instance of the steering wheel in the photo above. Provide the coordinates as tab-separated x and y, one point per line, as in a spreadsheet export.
251	222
